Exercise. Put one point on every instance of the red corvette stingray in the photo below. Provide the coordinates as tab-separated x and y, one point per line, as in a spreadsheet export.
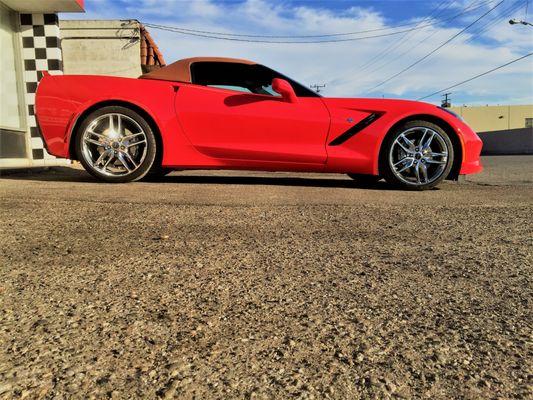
216	113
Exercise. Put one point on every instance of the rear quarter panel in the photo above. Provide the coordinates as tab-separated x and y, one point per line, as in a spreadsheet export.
62	100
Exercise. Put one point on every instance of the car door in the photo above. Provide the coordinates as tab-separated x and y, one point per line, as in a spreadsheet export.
226	123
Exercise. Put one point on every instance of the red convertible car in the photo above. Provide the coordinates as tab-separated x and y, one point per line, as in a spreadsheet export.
219	113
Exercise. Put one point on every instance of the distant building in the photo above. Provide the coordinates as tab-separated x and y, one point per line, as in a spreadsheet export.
108	47
503	129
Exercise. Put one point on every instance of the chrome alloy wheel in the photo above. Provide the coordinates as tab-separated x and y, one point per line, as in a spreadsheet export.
114	144
418	156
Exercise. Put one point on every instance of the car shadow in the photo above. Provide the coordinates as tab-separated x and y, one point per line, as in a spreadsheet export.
62	174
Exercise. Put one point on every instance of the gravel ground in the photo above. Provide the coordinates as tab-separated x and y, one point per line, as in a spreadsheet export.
266	285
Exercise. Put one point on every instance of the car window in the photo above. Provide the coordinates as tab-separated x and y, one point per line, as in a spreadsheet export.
253	78
230	87
268	90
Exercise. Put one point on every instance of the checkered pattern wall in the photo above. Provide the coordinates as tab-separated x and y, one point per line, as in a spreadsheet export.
41	50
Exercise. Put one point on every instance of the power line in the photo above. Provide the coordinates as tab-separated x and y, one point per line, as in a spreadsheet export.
175	30
436	49
401	55
385	51
249	38
477	76
489	24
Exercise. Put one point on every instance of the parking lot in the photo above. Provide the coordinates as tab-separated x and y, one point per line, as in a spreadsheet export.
266	285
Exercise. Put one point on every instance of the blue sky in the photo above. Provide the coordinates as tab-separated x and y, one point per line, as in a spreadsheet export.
355	68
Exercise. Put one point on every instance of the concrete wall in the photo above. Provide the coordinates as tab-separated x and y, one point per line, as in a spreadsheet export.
101	47
495	118
514	141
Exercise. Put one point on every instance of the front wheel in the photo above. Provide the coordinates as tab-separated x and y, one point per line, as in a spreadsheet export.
418	155
116	144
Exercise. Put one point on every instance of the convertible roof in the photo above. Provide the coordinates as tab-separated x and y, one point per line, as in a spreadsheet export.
180	71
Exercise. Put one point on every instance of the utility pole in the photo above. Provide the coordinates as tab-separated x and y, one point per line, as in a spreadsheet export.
446	102
317	88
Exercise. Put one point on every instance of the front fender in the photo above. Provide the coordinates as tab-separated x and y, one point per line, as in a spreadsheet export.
360	154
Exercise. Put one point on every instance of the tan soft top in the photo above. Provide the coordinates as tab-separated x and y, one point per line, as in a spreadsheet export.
180	71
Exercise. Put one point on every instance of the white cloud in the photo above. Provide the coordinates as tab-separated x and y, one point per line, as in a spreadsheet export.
338	64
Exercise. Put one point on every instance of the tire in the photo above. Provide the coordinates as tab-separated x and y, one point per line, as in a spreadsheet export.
417	155
365	180
115	144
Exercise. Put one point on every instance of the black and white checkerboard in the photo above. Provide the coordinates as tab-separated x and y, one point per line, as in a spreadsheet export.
41	51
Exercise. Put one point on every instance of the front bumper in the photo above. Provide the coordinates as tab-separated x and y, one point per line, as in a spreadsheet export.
472	146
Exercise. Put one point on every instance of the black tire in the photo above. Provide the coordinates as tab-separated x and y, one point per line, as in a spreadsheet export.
441	170
365	180
144	165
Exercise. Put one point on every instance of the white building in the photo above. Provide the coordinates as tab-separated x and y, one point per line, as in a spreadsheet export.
30	41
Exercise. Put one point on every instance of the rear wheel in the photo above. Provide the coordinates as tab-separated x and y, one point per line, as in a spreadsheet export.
418	155
115	144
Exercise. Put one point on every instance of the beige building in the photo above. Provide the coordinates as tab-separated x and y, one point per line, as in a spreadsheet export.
107	47
503	129
497	118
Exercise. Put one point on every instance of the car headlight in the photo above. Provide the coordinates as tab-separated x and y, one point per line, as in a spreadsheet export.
453	113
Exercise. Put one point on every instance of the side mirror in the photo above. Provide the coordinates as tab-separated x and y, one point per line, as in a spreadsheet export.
284	88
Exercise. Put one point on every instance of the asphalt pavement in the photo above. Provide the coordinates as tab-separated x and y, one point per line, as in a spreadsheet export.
211	284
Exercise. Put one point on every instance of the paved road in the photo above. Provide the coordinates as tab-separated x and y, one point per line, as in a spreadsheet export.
266	285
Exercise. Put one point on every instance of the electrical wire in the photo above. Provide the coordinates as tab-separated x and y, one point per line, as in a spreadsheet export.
241	37
383	53
436	49
401	55
476	77
491	23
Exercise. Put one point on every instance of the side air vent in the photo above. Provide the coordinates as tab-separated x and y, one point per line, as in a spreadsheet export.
355	129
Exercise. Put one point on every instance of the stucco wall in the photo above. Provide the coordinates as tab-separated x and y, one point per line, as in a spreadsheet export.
495	118
101	47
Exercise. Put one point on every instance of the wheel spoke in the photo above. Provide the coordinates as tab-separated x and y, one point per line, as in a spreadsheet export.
431	161
111	123
438	154
406	166
428	141
119	125
405	159
424	171
111	157
98	135
95	142
417	173
123	161
136	143
133	136
421	143
100	159
411	145
129	158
